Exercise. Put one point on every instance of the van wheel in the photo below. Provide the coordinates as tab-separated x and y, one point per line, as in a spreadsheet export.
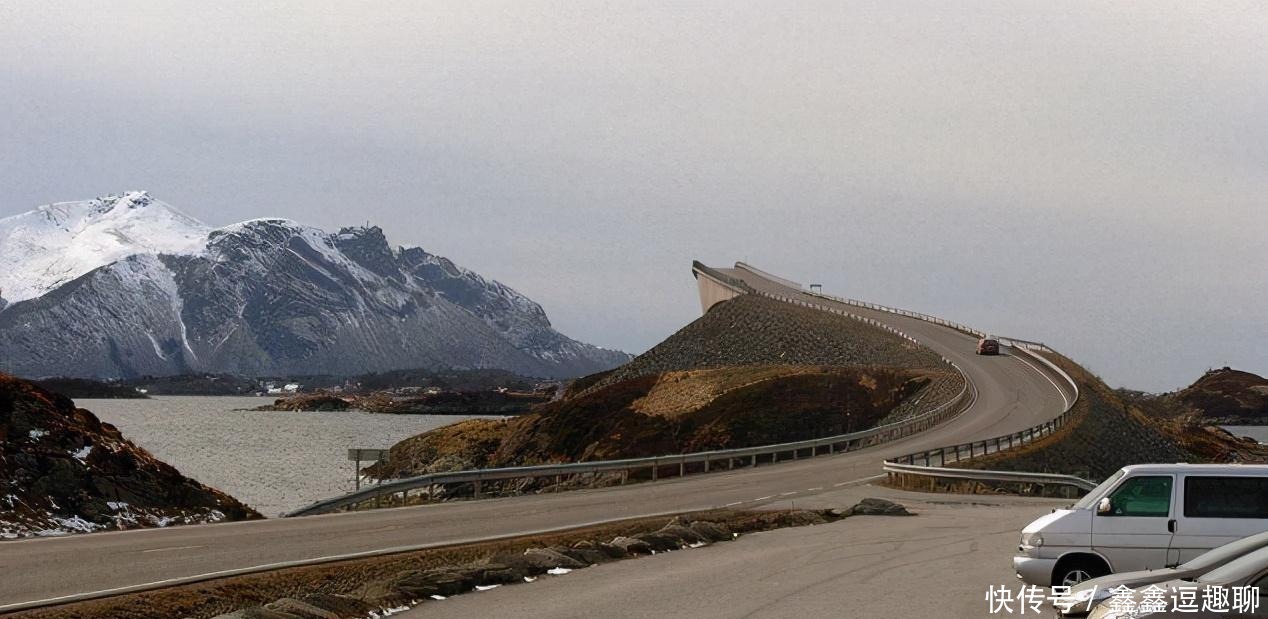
1076	570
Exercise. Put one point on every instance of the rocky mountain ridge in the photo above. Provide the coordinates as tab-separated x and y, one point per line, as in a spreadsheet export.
265	296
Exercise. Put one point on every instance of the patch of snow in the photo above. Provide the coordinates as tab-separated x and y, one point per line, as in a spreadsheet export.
66	526
54	244
82	453
437	597
37	433
530	578
558	571
486	587
116	506
157	350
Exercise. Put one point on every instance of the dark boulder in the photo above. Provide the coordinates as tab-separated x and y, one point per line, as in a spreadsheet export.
878	507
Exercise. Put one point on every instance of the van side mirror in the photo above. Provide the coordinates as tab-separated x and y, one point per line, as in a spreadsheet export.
1104	506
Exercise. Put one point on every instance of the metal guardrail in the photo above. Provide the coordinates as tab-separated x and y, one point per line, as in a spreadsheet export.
932	461
677	463
833	444
726	280
997	476
706	460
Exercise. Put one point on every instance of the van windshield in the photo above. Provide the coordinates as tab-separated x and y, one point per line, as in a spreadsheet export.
1095	494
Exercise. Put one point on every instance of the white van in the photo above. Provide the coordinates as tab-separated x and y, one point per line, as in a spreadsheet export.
1145	516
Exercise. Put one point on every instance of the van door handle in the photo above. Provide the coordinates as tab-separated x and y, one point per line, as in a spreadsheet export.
1171	525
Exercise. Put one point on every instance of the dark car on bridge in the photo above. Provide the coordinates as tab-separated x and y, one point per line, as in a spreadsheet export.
988	346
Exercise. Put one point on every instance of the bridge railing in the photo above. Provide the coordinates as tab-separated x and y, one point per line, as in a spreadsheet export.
991	476
932	462
675	463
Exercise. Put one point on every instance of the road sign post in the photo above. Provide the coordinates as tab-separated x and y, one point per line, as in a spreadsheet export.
365	455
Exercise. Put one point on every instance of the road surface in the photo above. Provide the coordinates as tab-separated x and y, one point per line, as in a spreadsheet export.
936	564
1012	395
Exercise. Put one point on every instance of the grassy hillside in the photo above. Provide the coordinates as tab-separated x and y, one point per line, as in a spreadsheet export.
749	372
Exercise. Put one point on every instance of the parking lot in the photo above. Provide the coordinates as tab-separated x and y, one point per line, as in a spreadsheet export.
936	564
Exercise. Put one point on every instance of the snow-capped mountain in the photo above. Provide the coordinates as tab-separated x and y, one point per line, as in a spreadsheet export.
266	296
45	248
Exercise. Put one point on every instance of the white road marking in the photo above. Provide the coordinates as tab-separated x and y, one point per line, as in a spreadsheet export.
172	548
733	504
813	489
1064	398
764	498
788	493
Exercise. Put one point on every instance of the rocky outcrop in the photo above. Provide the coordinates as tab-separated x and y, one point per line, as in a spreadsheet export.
492	403
64	471
1228	397
877	507
309	402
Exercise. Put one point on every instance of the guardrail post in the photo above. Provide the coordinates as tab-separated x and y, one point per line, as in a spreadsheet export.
625	475
655	469
682	467
706	464
476	484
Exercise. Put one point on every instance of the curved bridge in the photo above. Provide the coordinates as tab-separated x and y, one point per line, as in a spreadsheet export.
1012	394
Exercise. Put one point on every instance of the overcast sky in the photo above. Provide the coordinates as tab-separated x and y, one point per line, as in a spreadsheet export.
1093	176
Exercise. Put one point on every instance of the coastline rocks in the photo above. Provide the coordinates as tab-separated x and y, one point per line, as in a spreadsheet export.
316	402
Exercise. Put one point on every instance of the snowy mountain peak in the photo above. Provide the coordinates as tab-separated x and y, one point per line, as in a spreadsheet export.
160	293
56	243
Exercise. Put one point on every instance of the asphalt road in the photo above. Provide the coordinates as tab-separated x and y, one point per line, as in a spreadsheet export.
1012	395
936	564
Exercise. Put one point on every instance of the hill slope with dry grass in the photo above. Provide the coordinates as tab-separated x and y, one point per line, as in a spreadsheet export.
751	371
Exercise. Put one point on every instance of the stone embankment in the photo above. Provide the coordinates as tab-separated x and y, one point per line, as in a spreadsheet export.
1107	433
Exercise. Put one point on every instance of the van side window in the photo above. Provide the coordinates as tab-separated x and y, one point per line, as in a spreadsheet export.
1225	497
1148	496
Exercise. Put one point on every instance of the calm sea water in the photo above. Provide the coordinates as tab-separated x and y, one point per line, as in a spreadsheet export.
1259	433
274	461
